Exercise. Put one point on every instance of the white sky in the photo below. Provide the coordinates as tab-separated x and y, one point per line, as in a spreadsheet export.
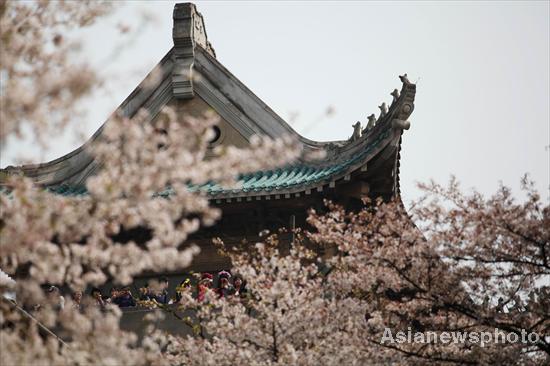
483	72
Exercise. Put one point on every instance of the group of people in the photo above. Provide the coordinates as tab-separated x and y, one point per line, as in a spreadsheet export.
227	286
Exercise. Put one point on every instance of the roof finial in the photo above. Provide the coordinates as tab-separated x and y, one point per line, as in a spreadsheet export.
188	32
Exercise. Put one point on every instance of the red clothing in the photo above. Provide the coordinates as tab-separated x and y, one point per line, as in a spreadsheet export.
202	292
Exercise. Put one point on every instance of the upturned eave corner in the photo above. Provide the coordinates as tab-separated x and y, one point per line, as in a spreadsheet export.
389	126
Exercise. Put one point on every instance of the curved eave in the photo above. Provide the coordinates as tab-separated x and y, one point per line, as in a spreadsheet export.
243	109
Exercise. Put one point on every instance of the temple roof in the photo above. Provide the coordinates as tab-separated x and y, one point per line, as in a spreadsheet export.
189	70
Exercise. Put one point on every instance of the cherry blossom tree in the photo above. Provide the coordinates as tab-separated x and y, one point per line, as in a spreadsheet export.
150	169
39	74
452	263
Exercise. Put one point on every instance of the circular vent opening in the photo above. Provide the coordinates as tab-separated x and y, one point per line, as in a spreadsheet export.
217	134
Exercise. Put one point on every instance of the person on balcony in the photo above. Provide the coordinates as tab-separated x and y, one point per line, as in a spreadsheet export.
162	295
225	288
204	285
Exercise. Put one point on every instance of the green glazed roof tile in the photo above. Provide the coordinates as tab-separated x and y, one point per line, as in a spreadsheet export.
282	177
277	179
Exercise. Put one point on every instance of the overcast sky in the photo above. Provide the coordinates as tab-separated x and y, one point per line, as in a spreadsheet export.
482	70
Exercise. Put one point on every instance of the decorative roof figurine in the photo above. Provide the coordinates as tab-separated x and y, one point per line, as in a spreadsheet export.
372	122
395	95
356	131
404	79
383	109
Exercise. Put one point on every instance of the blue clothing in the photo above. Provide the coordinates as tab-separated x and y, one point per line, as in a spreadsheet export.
162	298
125	301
